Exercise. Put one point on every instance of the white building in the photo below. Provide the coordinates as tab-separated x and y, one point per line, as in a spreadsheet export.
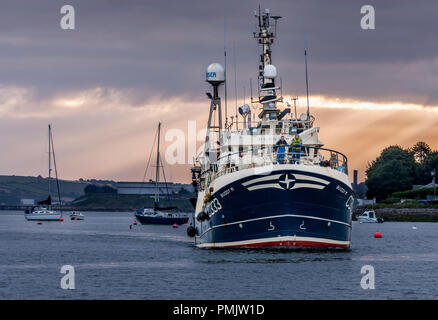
362	202
27	202
430	185
149	187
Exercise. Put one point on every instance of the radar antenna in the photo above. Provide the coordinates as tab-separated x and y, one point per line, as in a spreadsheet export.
215	75
265	34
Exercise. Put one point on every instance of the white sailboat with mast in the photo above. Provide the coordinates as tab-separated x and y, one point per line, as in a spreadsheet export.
43	210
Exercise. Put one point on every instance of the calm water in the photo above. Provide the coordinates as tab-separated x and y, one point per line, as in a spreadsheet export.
159	262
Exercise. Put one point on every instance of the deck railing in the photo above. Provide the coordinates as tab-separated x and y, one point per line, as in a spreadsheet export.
259	157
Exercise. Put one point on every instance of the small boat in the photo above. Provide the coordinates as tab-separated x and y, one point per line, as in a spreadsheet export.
77	216
43	210
161	216
369	217
157	214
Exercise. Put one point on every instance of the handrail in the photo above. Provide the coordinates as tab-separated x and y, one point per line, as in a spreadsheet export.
217	169
256	123
284	145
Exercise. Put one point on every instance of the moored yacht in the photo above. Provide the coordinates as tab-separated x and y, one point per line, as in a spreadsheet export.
158	214
43	210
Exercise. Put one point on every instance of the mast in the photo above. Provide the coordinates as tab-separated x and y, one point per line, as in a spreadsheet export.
157	169
307	85
215	75
50	160
235	84
56	170
225	67
265	34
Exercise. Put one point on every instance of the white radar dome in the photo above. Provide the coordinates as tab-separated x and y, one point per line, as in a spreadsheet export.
215	73
270	71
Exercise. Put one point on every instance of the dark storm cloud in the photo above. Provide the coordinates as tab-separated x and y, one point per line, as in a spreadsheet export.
161	48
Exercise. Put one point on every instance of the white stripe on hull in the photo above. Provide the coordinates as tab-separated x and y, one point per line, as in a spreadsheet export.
265	186
274	239
271	174
274	217
42	217
272	177
307	177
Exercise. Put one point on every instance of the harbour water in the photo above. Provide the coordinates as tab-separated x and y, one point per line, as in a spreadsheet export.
112	261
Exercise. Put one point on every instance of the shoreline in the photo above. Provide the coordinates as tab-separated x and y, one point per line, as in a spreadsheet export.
402	214
388	214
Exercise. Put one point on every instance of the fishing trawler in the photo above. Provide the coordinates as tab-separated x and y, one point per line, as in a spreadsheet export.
158	214
43	210
255	191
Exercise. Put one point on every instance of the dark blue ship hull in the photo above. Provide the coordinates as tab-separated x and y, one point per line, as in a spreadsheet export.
289	208
161	220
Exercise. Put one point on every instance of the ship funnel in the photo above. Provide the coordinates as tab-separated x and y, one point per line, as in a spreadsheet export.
215	74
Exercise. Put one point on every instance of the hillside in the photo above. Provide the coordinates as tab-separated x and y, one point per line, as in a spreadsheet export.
107	201
15	188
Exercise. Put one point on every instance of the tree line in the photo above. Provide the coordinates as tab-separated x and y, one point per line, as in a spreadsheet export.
92	188
398	169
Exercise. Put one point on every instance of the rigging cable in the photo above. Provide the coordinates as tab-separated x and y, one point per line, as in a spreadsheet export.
147	165
56	172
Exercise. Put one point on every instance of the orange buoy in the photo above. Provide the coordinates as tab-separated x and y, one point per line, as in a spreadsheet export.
61	219
134	223
175	226
39	222
377	235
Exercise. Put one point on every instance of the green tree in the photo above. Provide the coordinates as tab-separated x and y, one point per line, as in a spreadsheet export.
92	188
431	163
394	170
421	150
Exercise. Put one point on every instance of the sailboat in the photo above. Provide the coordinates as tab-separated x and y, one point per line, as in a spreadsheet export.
43	210
157	214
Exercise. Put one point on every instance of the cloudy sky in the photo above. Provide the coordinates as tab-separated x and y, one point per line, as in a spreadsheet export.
129	64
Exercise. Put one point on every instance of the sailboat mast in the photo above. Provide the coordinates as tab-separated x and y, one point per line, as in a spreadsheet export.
56	171
50	158
157	169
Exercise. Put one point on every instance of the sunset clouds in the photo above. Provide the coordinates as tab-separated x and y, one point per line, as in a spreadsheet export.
130	64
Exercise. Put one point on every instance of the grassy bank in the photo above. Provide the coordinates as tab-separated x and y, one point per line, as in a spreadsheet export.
405	205
15	188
